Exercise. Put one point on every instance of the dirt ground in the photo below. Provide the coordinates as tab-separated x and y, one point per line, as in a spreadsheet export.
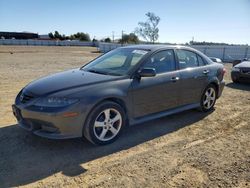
190	149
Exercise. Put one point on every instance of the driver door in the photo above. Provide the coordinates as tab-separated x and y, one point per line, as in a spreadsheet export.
161	92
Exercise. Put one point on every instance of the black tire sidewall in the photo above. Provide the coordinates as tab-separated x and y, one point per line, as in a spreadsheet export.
202	98
88	129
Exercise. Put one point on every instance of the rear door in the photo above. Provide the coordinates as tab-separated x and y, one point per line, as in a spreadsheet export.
159	93
193	75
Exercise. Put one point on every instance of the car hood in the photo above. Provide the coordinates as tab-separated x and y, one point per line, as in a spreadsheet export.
245	64
65	80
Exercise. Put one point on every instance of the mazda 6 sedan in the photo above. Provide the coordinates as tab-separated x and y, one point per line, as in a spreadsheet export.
126	86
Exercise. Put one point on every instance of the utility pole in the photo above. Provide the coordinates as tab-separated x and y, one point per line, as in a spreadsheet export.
122	37
113	36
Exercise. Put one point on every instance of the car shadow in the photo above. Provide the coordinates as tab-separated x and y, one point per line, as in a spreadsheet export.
26	158
239	86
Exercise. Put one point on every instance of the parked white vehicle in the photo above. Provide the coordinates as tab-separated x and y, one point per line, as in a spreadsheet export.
215	59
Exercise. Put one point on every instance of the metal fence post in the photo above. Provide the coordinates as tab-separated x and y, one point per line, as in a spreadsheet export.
246	52
205	50
224	51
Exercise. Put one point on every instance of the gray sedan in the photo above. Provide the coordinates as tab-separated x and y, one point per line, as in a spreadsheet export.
126	86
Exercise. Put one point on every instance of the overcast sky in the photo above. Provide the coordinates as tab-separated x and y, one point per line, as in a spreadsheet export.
205	20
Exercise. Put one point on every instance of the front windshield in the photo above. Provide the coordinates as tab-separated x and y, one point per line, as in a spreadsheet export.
117	62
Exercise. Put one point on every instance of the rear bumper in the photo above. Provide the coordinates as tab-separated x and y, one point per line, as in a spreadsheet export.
50	125
221	87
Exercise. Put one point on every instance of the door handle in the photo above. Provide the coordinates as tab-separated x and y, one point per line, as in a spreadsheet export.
174	79
205	71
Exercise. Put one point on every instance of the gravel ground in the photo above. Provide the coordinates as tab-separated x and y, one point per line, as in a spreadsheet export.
189	149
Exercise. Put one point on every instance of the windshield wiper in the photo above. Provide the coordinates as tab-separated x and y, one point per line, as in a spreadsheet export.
105	73
97	71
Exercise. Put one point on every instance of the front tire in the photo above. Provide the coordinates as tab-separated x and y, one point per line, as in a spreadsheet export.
208	98
235	80
104	123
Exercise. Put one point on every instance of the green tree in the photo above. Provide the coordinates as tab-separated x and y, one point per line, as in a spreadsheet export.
57	35
130	38
51	35
80	36
149	29
107	40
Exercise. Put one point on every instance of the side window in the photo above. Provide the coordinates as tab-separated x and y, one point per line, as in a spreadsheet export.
163	61
187	59
201	61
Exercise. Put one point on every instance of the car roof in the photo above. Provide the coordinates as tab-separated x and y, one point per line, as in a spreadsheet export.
153	47
244	64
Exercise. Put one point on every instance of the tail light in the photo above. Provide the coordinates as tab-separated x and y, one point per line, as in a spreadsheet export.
221	73
224	71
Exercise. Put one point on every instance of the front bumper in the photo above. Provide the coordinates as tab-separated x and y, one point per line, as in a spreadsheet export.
51	125
239	76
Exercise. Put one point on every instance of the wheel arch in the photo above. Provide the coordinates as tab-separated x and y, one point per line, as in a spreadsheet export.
116	100
216	85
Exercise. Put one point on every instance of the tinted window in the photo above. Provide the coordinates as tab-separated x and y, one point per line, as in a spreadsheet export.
163	61
187	59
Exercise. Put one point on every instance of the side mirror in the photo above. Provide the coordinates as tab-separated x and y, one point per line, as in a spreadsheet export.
147	72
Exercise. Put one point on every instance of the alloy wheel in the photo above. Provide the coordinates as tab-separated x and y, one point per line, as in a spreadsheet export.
209	98
107	124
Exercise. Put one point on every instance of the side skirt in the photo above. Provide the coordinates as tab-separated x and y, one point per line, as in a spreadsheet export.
162	114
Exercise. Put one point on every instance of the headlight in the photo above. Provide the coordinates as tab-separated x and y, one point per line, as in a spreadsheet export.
55	102
236	69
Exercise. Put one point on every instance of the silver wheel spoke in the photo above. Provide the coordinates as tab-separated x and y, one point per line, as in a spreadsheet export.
107	114
116	118
209	104
113	130
206	101
99	124
103	134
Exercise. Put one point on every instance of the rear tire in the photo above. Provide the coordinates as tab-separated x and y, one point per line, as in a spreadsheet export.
208	98
104	123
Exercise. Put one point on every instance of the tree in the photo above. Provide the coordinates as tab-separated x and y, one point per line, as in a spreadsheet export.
148	29
107	40
57	35
131	38
80	36
51	35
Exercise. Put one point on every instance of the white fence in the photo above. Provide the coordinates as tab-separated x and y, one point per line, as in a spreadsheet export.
44	42
226	53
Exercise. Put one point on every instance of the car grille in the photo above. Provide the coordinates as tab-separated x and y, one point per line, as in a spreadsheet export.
245	71
24	98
